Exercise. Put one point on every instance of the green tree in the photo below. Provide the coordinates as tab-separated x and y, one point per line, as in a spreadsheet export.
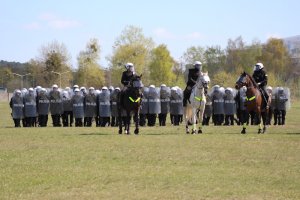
240	55
6	76
276	59
160	66
194	53
224	79
131	46
89	72
56	59
215	59
36	69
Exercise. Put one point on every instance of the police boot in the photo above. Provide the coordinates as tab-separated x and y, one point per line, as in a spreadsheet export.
283	119
121	96
186	96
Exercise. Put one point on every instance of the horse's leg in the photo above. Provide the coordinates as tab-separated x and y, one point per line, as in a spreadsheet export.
120	119
265	118
194	120
127	127
186	120
244	120
200	117
136	117
258	113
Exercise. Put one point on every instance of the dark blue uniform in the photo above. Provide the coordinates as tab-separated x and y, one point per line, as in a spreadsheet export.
261	78
192	77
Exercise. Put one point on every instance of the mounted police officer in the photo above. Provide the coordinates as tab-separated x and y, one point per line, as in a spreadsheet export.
261	78
193	75
127	76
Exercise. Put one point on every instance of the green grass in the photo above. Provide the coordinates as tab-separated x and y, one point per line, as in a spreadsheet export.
160	163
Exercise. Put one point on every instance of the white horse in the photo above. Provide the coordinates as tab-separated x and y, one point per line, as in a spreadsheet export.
194	110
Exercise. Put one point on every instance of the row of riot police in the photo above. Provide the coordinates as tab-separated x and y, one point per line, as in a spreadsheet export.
222	104
159	102
86	106
279	105
34	106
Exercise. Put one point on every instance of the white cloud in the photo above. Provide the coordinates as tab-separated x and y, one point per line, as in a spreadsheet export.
32	26
50	20
194	36
63	24
47	16
163	33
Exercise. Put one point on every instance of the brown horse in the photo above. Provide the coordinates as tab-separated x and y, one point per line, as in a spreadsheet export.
255	102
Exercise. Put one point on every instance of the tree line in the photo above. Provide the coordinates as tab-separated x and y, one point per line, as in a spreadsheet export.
155	62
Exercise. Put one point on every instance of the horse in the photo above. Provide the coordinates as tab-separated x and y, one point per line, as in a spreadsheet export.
254	101
130	103
194	110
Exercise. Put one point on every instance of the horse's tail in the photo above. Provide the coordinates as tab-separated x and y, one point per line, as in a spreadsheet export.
188	112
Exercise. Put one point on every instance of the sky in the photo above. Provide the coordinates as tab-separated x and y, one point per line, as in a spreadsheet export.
25	26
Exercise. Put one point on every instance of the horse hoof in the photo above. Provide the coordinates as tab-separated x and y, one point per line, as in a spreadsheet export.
193	132
199	131
187	132
136	131
243	131
120	131
264	130
259	131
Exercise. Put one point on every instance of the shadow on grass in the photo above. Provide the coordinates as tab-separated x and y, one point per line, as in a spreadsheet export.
104	134
293	133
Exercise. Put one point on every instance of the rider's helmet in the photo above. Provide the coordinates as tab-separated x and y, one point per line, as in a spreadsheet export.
198	65
129	67
258	66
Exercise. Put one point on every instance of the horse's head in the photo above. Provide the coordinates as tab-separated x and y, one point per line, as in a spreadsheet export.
243	80
137	85
203	82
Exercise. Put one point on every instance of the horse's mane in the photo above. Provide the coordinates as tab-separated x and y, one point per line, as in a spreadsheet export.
252	80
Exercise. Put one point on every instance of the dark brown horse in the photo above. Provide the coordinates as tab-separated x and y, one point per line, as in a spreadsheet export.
254	101
130	104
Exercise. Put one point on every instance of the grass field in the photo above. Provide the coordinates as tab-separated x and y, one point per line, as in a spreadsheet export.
160	163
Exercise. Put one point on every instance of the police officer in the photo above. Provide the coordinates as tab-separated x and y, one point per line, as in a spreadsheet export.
272	106
261	78
282	99
193	75
114	108
43	104
104	107
126	78
78	108
56	107
17	106
90	107
128	74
